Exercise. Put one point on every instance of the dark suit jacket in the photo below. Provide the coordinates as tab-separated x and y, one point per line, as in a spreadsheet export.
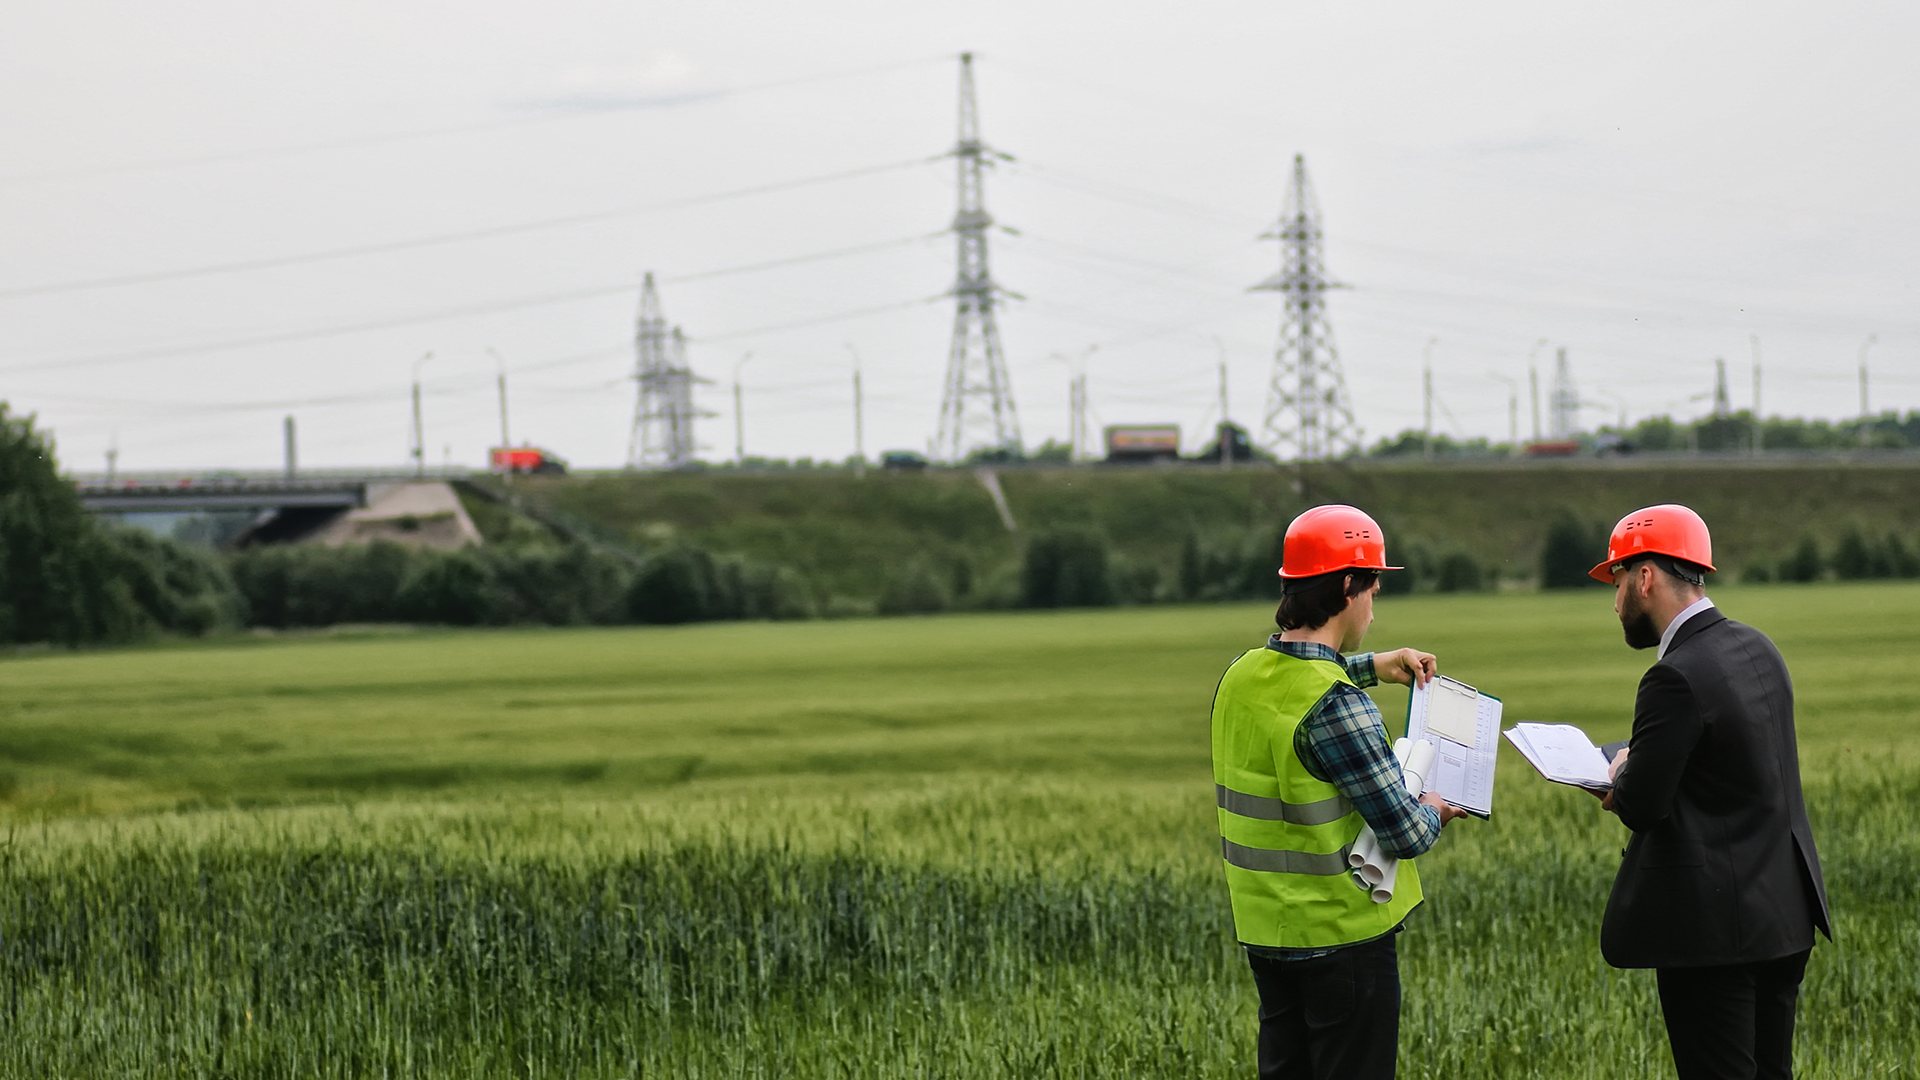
1721	868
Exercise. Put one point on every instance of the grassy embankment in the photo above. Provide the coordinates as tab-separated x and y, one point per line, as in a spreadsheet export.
845	535
972	845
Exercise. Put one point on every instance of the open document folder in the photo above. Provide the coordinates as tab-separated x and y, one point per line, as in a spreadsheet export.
1464	726
1563	754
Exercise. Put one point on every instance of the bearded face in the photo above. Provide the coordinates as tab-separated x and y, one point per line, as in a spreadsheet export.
1636	621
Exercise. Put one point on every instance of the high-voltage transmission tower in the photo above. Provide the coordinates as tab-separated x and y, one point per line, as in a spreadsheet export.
976	406
663	415
1308	415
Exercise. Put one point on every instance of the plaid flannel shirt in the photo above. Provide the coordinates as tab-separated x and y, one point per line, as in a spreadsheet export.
1343	740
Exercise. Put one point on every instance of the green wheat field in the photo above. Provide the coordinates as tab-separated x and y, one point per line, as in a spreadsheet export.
962	846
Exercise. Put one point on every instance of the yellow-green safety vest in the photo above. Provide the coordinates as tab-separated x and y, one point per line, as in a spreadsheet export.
1285	835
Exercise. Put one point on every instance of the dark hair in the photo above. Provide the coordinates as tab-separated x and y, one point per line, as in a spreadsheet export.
1691	573
1309	602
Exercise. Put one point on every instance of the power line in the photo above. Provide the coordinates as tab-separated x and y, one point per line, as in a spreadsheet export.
857	313
447	238
1130	196
631	104
774	264
509	304
326	331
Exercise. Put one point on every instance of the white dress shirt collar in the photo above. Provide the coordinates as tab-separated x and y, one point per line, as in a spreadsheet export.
1673	627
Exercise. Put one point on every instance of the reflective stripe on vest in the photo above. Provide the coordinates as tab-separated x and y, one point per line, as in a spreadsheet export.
1320	812
1286	862
1285	834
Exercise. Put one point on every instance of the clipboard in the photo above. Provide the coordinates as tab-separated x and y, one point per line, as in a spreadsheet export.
1464	726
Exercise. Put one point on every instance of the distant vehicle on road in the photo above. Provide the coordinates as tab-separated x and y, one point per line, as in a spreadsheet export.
525	460
1143	442
902	461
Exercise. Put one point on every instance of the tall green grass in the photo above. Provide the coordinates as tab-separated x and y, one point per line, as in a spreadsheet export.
877	936
969	847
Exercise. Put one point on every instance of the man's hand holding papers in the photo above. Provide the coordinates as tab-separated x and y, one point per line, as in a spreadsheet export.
1563	754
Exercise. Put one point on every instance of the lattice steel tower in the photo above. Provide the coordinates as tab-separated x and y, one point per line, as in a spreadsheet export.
663	415
1308	414
976	407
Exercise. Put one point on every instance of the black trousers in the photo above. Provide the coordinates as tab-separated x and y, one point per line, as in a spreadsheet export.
1335	1016
1733	1022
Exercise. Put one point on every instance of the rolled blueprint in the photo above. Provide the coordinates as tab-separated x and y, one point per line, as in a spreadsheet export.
1373	869
1418	765
1366	848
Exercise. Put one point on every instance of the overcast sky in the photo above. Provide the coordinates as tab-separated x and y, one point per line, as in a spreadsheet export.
1648	186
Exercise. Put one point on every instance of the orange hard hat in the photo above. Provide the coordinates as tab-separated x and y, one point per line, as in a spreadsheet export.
1668	529
1330	538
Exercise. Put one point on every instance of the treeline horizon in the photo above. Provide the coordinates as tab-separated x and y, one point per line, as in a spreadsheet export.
1732	433
689	547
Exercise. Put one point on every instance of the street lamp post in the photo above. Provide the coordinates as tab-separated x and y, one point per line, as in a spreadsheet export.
1533	384
1076	399
419	428
1513	412
1866	414
1426	367
739	417
859	420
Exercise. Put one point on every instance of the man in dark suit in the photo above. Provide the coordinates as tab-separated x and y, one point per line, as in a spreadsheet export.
1719	890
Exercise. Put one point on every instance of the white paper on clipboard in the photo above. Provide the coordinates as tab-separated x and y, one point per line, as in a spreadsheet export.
1464	725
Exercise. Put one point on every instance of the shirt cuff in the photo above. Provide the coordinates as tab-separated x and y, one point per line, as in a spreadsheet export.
1360	670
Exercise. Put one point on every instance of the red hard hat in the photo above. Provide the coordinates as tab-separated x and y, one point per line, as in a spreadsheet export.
1329	538
1667	529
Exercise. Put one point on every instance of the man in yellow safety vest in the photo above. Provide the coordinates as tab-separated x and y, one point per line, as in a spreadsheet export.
1301	763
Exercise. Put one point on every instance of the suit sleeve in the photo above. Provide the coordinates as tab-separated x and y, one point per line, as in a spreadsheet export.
1666	727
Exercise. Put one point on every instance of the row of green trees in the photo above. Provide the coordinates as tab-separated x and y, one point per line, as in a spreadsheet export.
1855	555
1733	433
66	578
550	584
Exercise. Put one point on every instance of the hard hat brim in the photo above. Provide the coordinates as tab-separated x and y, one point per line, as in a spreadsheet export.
1603	573
1338	569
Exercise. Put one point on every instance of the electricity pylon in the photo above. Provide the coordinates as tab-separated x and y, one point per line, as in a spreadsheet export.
1308	414
976	406
663	414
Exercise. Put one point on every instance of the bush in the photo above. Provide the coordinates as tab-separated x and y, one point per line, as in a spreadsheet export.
457	588
1066	568
560	586
1459	571
674	586
745	589
912	589
1212	570
1571	548
1854	558
1260	575
1193	567
1804	563
289	585
66	578
178	588
1417	571
1902	561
